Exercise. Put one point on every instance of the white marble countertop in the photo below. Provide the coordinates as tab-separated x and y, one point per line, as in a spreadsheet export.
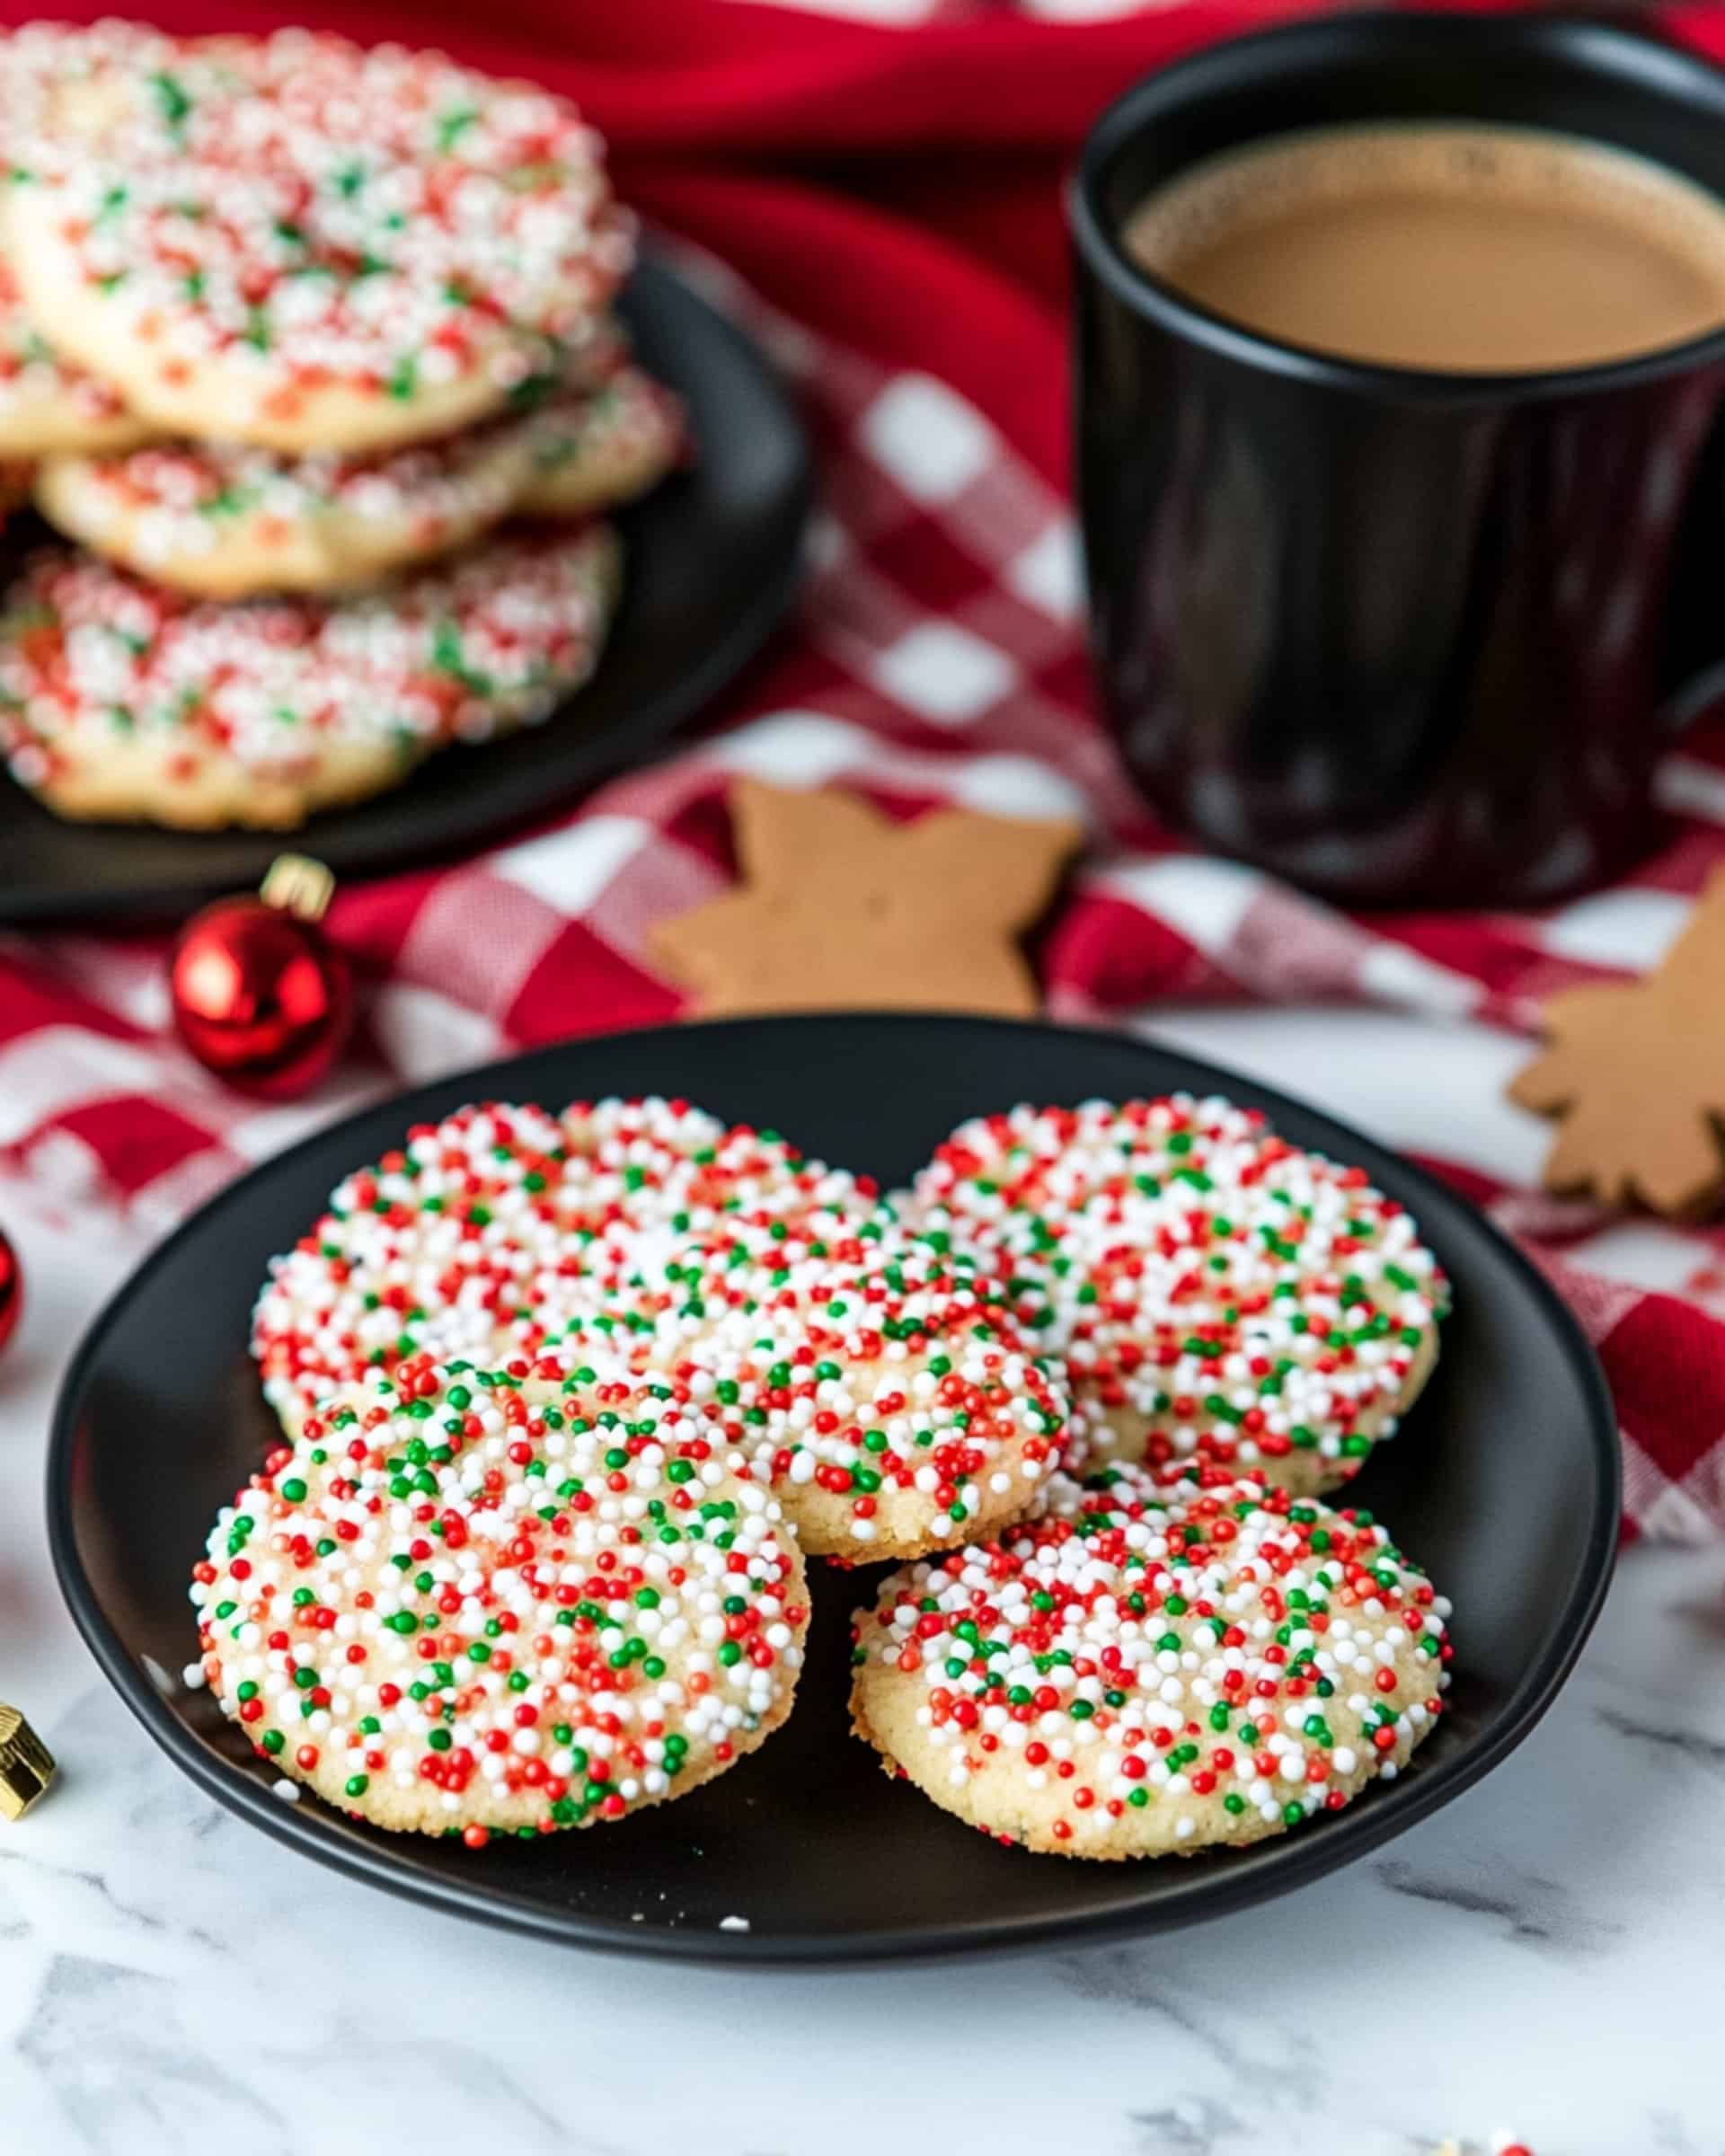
1541	1960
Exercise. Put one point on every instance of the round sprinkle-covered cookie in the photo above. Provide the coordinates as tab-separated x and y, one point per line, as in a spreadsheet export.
1145	1671
595	450
121	700
895	1410
459	1605
305	245
1217	1293
511	1235
224	521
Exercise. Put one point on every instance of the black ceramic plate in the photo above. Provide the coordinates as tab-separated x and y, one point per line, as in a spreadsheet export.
712	563
1504	1483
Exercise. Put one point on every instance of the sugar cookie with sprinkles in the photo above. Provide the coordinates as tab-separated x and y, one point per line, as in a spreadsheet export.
463	1606
512	1234
1144	1672
1218	1293
224	521
597	450
304	244
895	1410
124	702
47	405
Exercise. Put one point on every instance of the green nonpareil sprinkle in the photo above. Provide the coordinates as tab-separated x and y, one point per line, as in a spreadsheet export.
171	97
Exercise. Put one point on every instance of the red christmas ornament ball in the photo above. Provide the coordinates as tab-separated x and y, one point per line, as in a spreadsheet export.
261	996
11	1289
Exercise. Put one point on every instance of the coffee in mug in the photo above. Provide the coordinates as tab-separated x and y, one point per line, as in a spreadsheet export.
1448	247
1400	373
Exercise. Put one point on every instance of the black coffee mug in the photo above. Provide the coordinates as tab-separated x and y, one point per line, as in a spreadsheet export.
1403	637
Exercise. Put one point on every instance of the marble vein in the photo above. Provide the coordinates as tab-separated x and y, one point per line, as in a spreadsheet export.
1190	2125
1689	1744
1533	1910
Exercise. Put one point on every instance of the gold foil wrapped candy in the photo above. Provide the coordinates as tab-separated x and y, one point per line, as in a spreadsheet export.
26	1764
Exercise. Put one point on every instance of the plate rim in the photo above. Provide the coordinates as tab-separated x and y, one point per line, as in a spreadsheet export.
1283	1863
661	260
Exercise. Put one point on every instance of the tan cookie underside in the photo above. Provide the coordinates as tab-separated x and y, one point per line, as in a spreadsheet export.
55	422
136	781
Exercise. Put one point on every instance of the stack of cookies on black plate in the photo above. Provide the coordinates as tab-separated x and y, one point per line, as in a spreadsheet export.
310	350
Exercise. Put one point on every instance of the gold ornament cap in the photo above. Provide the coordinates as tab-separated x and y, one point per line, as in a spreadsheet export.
298	885
26	1764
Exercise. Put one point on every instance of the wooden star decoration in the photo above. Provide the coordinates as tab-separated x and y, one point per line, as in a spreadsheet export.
841	910
1635	1072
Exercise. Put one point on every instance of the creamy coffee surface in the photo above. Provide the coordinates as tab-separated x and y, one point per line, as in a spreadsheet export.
1457	247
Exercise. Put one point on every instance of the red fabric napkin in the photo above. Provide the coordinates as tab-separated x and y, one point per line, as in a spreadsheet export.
884	203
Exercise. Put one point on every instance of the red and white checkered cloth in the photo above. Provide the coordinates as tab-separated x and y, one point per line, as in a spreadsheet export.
936	656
